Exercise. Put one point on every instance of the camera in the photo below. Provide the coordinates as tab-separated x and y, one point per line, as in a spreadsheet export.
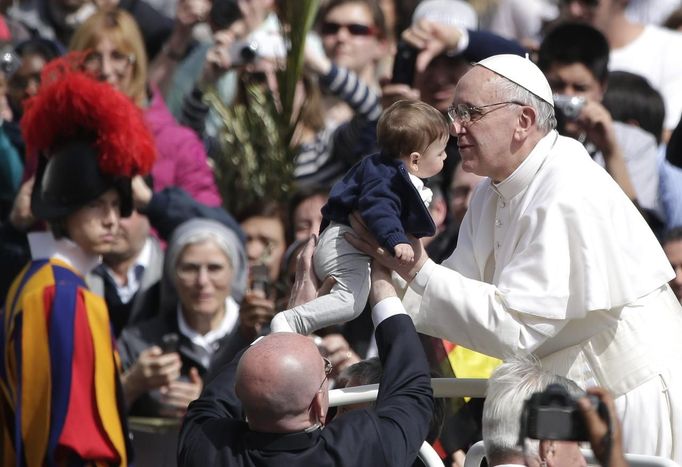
554	415
262	43
9	61
404	64
243	52
569	106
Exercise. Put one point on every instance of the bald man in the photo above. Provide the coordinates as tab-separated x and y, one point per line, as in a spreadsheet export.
281	385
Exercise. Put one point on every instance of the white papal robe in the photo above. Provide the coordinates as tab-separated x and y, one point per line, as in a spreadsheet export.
557	261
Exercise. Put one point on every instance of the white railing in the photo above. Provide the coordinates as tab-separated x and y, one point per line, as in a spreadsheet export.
442	387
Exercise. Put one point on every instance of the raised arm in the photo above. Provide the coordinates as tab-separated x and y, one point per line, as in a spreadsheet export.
404	404
172	206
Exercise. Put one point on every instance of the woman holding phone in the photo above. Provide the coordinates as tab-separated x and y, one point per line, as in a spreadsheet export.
165	358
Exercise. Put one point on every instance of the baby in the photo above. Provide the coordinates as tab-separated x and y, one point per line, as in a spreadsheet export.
387	190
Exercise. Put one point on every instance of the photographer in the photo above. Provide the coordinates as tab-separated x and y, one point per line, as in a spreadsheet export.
574	57
510	385
335	107
532	417
606	442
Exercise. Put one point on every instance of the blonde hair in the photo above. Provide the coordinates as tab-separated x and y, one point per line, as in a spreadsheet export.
122	29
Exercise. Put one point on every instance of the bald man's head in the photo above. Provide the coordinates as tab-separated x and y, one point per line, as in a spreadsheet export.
277	379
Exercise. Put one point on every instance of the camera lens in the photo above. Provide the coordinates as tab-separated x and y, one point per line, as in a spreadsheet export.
8	62
249	52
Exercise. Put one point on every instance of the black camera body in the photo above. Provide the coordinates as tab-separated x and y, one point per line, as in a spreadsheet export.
169	342
554	415
404	64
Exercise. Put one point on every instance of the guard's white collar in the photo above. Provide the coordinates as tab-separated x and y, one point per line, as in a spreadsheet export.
44	246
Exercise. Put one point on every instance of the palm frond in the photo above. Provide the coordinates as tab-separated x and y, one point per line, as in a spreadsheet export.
255	160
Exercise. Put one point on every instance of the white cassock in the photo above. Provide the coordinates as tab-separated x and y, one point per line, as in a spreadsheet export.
557	261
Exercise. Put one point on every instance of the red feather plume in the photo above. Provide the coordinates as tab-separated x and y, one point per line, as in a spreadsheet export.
72	105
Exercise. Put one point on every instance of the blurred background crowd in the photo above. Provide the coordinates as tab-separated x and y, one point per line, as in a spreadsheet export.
246	158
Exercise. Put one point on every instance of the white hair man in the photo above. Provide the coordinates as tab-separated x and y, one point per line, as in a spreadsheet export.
510	385
552	259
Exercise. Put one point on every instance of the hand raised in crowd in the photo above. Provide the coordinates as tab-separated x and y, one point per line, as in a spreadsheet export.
306	286
607	444
432	39
314	58
256	311
363	240
597	124
189	13
142	194
337	349
5	109
177	395
21	216
392	93
152	370
218	59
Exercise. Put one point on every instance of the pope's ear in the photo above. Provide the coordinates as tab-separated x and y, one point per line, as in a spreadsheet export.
525	121
528	117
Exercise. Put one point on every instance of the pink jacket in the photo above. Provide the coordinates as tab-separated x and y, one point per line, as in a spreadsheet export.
182	160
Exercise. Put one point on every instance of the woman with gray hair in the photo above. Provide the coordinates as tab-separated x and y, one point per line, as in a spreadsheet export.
166	358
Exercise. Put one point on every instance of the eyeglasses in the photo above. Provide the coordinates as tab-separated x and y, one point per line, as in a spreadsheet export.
328	367
330	28
468	114
188	272
119	61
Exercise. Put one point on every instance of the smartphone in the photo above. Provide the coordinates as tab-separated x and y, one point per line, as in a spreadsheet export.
260	278
169	343
404	64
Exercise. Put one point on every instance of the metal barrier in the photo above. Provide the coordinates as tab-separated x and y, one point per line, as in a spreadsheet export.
442	387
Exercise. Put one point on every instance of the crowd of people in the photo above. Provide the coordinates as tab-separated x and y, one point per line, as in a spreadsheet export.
505	173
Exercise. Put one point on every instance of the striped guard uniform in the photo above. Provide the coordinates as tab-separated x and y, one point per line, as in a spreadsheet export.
60	397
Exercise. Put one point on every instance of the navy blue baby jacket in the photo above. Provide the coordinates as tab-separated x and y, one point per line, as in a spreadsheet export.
379	187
